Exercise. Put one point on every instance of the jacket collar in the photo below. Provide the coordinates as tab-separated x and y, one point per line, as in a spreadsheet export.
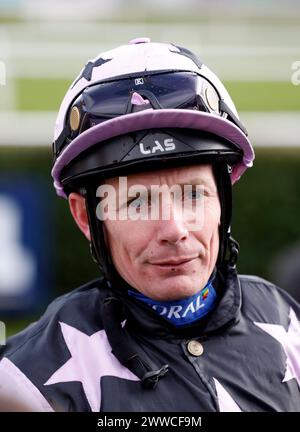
143	320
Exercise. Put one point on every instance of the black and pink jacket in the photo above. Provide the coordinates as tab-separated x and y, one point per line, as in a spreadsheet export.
86	355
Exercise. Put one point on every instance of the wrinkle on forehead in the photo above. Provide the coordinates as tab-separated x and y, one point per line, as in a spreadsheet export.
195	174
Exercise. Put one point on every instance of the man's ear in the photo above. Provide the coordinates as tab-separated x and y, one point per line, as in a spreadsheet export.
79	213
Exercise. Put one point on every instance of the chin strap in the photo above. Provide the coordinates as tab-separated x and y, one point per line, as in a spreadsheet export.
233	248
122	347
222	177
98	246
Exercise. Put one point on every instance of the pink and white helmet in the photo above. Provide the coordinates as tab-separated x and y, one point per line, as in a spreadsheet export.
143	86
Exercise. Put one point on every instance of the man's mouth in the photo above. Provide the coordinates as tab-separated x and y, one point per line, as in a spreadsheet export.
174	262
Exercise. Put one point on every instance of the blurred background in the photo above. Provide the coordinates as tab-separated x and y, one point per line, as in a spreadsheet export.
253	46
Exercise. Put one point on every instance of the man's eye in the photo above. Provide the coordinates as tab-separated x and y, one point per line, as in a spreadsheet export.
195	194
137	203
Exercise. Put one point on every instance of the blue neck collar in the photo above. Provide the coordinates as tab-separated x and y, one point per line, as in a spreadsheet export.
185	311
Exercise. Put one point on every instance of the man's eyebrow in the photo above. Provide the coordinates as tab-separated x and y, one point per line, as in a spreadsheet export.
193	182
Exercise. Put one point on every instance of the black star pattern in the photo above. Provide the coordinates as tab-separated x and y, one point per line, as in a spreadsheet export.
88	69
189	54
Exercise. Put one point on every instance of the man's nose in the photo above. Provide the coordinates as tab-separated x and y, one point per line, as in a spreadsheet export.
173	229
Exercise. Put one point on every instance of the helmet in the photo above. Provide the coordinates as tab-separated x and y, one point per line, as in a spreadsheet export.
145	106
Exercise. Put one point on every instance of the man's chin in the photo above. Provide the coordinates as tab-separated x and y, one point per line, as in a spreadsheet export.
176	288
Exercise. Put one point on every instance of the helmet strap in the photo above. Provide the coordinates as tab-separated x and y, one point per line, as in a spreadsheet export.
233	248
229	247
224	187
98	247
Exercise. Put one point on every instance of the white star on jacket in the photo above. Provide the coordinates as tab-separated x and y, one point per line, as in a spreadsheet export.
226	401
290	341
91	359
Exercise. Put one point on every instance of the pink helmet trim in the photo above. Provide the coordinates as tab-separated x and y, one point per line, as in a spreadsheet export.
150	119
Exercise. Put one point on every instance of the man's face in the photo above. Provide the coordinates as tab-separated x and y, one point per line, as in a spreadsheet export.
167	259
